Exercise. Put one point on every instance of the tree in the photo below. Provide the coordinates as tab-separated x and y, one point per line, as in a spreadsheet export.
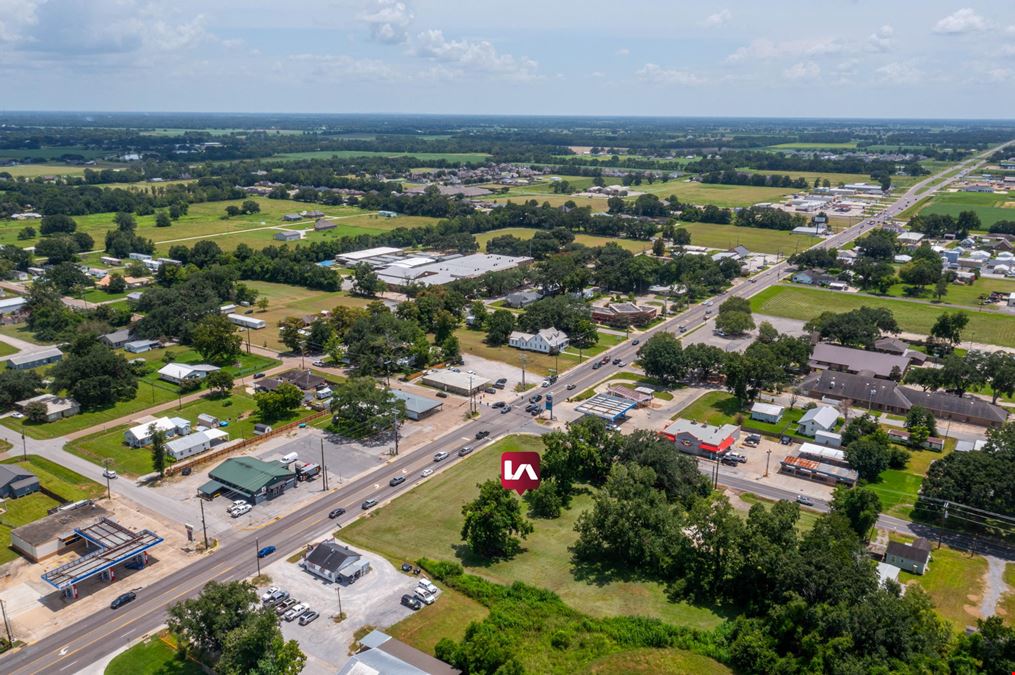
262	303
256	647
920	422
57	224
659	247
117	284
159	458
479	314
290	333
162	219
93	375
365	281
279	404
860	506
17	385
250	206
36	412
662	358
999	370
948	327
204	622
451	350
493	522
361	409
220	382
499	326
734	323
941	288
868	456
216	339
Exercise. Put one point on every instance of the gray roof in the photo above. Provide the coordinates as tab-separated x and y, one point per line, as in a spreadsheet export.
908	552
12	473
59	523
121	335
858	360
32	357
415	403
941	402
385	655
332	556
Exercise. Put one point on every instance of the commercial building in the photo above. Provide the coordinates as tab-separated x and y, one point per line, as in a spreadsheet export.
697	438
141	435
821	472
462	384
247	321
250	478
417	407
195	443
178	373
16	481
57	407
35	359
624	314
54	533
383	654
767	412
335	563
449	269
821	418
820	453
910	557
608	407
848	360
545	341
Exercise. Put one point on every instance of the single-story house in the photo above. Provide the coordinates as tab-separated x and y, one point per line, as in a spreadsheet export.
288	235
251	478
697	438
16	481
116	339
141	346
767	412
324	224
34	359
812	278
292	217
57	407
140	435
545	341
13	304
196	443
336	563
178	373
522	298
821	418
247	321
910	557
417	407
902	436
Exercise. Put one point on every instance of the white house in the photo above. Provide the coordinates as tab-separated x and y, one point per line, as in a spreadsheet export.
822	418
177	373
193	444
546	341
141	435
767	412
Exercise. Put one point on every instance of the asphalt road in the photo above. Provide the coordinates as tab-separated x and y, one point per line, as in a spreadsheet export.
88	640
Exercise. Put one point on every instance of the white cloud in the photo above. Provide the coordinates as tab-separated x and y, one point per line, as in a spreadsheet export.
898	73
999	74
344	68
478	55
717	19
656	74
881	39
964	20
1010	30
804	70
1008	50
623	51
764	49
15	17
388	21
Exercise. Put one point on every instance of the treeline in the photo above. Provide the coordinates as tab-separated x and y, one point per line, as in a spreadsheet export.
776	161
731	177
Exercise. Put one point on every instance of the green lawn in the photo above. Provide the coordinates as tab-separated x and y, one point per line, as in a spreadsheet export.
898	490
655	662
238	409
786	425
426	522
755	239
961	294
448	618
794	302
1006	606
33	170
536	364
954	581
990	207
633	245
850	145
151	657
730	196
68	485
20	331
715	407
6	349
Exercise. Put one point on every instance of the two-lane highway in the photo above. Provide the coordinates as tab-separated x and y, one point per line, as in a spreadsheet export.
89	639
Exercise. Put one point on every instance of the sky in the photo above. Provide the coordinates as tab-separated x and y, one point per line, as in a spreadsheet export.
780	58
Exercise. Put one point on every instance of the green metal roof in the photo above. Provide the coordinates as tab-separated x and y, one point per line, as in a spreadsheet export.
248	473
210	488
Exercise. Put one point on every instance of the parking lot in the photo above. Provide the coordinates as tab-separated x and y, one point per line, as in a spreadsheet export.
374	599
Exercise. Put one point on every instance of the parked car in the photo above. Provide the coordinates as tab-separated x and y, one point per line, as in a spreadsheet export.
122	600
535	411
738	457
440	456
535	398
265	551
498	404
266	596
240	510
368	504
396	481
294	611
428	585
284	606
258	376
805	501
425	595
406	567
490	390
426	472
465	449
109	473
441	394
335	513
276	597
505	410
729	461
482	434
186	471
412	602
500	383
308	617
319	364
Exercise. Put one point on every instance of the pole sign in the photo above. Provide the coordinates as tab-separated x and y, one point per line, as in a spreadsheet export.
549	402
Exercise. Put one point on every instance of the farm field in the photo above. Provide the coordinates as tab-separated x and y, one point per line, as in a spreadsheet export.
33	170
917	317
426	522
990	207
755	239
809	176
51	152
463	157
633	245
714	193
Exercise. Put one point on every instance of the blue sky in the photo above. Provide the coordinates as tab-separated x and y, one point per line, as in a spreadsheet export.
822	58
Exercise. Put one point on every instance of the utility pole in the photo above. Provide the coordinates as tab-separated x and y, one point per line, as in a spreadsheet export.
105	463
338	587
257	550
767	460
204	525
394	428
524	358
24	446
7	624
248	339
324	470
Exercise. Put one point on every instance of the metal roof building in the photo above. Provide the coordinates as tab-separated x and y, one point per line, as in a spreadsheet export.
457	383
819	471
34	359
607	407
250	477
417	407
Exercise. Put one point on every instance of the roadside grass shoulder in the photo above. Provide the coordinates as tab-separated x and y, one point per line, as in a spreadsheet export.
152	657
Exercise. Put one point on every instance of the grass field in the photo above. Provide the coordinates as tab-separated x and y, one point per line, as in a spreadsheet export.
898	489
754	238
33	170
713	193
633	245
59	480
19	331
954	581
151	657
990	207
964	294
806	303
50	152
426	522
536	364
1006	605
448	618
238	409
6	349
851	145
463	157
715	407
522	195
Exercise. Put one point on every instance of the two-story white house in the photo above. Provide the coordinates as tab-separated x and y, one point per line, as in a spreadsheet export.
546	341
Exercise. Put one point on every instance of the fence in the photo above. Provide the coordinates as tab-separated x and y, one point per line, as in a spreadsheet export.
245	443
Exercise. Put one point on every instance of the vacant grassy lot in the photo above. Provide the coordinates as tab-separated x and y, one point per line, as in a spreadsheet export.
990	207
754	238
898	490
152	657
806	303
715	407
427	521
530	192
448	618
633	245
536	364
33	170
954	581
714	193
1006	606
463	157
6	349
68	485
655	662
238	409
19	331
285	300
964	294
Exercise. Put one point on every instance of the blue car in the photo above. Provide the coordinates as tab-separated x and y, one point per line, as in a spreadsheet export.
266	551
